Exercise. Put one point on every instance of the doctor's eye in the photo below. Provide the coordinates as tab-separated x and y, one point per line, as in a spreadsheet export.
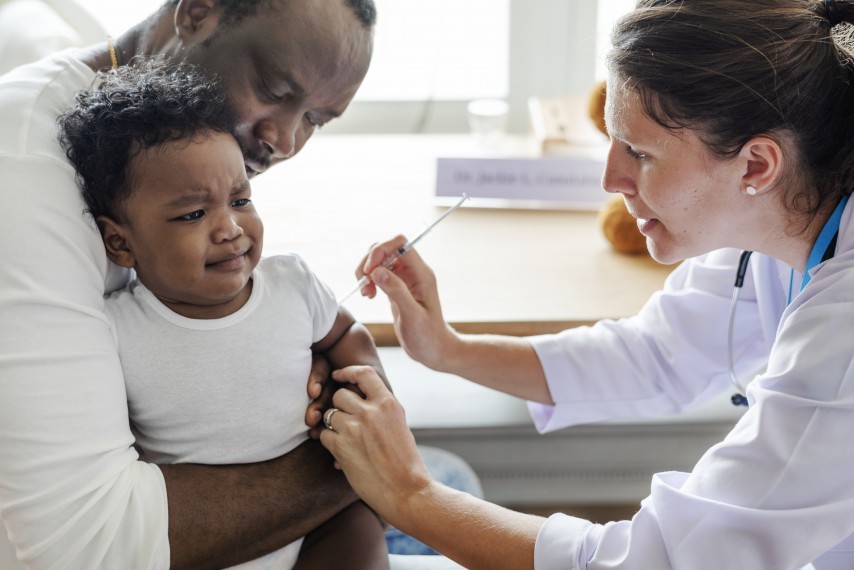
634	154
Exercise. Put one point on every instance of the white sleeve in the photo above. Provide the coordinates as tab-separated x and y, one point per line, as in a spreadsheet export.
672	355
72	492
322	303
777	492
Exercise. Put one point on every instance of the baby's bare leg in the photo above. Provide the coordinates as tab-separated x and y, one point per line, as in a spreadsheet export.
353	539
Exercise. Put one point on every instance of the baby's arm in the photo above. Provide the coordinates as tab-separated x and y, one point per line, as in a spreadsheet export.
355	538
349	342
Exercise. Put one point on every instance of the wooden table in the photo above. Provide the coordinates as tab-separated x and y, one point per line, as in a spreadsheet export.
499	270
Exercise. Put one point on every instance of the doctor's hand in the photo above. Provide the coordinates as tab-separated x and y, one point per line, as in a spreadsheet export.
372	443
413	293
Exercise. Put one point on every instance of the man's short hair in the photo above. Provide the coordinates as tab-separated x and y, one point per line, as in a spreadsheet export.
235	10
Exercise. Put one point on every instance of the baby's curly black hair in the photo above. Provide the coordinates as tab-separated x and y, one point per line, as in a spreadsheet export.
129	110
235	10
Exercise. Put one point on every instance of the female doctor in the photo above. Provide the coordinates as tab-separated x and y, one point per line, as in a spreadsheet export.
732	126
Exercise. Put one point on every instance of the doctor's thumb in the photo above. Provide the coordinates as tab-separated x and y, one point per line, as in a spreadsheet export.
393	286
385	280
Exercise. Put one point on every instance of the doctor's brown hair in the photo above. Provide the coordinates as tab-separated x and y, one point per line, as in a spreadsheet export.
734	69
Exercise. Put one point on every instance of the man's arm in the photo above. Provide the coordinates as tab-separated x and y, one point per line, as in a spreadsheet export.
224	515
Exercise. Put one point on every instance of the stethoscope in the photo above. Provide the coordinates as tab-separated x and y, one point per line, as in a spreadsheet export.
822	250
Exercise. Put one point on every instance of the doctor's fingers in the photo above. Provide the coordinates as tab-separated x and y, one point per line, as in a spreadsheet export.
410	276
366	379
368	290
370	416
381	251
372	436
360	425
360	267
409	301
384	253
378	253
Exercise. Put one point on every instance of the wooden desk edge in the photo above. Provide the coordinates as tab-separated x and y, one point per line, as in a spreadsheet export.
384	336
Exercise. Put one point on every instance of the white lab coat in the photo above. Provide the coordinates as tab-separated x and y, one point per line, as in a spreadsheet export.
778	492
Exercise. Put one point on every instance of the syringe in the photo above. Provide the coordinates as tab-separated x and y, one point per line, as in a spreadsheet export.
390	261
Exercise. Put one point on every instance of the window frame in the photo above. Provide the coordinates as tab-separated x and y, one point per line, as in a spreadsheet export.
552	53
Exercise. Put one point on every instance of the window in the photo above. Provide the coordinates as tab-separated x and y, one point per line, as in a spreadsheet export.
443	50
451	51
467	49
431	58
117	17
609	12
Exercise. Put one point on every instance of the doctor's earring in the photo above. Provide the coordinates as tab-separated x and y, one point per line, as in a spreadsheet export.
751	191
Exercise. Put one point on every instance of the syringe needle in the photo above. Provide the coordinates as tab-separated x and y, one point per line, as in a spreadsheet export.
362	282
410	244
390	261
388	264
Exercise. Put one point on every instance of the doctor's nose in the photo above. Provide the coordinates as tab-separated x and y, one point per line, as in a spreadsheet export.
278	135
617	175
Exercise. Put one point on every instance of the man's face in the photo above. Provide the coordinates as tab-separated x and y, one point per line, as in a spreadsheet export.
288	69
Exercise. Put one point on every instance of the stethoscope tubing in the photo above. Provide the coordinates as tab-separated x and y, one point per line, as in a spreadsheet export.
738	399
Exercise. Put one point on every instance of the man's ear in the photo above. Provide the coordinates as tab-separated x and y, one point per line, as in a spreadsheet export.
115	243
764	164
196	20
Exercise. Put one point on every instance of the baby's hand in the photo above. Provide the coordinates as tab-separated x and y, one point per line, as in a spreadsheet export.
320	389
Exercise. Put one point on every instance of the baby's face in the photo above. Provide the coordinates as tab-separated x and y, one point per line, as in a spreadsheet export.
192	229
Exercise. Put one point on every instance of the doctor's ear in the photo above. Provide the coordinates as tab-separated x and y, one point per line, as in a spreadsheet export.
196	20
764	160
113	234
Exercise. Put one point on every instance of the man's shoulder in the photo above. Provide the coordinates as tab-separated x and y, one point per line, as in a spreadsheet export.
31	99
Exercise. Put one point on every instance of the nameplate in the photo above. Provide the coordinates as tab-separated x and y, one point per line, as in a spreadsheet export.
551	182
